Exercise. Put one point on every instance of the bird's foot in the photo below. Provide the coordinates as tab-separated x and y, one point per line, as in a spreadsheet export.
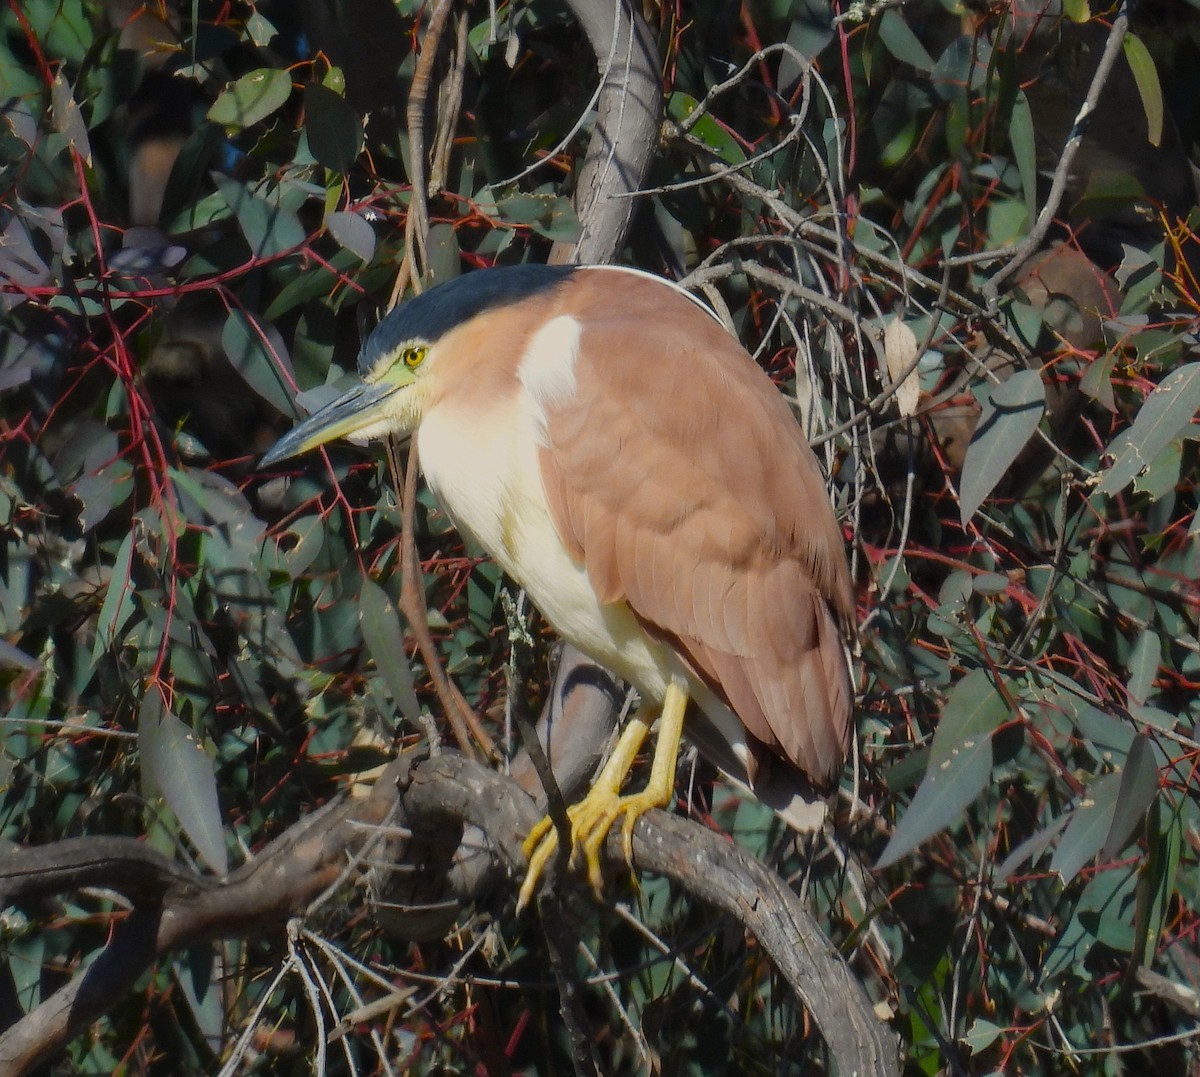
595	815
590	821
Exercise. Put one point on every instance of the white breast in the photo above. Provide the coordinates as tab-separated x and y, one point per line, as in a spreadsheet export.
484	470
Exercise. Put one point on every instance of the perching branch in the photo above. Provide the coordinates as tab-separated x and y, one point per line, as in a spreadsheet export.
175	908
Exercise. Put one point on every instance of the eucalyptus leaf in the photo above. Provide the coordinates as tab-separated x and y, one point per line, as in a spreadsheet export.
251	98
118	599
1097	380
67	117
901	42
384	638
1032	847
353	233
334	129
1145	76
1138	789
177	767
1089	828
960	764
266	369
1023	141
269	229
15	658
1009	416
707	129
1166	414
1157	887
1143	665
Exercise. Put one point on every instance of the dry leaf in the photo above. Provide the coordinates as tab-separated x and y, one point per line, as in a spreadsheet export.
900	353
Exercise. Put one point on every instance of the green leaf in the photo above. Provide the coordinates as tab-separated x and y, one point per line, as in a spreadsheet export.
901	42
384	638
443	257
353	233
960	764
1143	665
269	229
1108	192
118	600
1167	412
959	69
335	133
1103	913
981	1035
1161	478
306	539
1007	220
706	129
200	975
1145	75
1031	848
14	658
1156	887
897	120
317	281
1024	147
1009	417
251	98
548	214
266	370
102	491
260	29
1089	828
204	211
1139	788
958	116
176	766
1097	380
67	117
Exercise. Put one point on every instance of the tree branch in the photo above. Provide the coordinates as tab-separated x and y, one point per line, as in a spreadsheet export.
175	908
626	135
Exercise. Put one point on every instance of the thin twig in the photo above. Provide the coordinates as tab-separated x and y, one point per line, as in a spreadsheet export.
468	733
1062	172
557	934
520	664
416	229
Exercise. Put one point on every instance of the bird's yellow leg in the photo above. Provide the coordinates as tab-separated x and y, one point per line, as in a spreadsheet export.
593	817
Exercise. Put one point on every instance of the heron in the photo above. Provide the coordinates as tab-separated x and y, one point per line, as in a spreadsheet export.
611	445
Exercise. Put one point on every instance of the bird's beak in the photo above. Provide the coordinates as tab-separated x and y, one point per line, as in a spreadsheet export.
359	414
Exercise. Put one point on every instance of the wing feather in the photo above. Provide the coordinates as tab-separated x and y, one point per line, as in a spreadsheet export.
708	516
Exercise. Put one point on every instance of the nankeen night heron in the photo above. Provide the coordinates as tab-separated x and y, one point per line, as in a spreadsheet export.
603	437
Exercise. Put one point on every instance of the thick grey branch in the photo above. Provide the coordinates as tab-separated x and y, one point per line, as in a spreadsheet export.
625	137
446	791
705	864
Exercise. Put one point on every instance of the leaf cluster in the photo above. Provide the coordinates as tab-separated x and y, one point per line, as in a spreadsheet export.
200	653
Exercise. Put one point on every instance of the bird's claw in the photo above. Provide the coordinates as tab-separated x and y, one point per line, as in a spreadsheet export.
590	822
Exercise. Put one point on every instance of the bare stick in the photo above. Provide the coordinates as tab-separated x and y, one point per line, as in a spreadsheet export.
467	730
1058	186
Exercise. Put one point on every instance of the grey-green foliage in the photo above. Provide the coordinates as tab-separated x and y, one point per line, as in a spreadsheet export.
199	654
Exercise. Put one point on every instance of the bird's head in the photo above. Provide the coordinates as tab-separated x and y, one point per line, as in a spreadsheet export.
399	364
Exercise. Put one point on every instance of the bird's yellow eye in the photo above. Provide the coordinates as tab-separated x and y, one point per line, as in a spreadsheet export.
413	357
